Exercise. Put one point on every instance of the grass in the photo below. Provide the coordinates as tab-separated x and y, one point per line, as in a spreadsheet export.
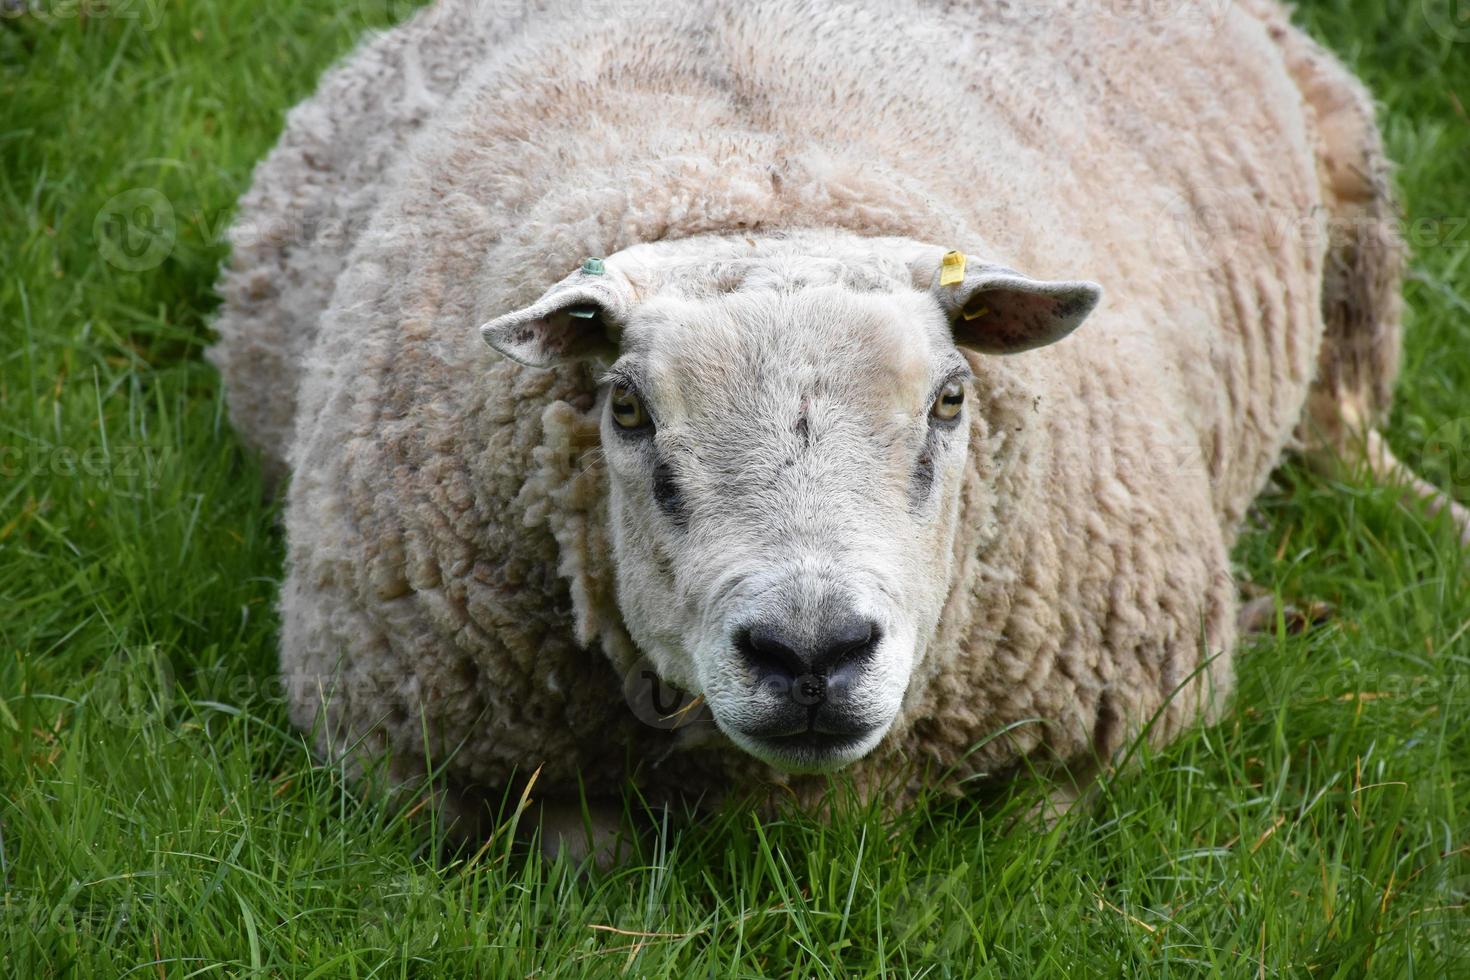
159	819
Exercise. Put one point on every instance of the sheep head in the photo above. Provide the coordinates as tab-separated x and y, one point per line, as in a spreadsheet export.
785	427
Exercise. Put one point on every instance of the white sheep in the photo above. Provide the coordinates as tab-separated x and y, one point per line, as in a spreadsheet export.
781	446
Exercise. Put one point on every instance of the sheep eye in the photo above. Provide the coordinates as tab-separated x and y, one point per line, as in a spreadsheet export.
947	405
627	408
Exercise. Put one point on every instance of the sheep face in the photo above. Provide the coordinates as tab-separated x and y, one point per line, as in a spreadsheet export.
784	472
785	438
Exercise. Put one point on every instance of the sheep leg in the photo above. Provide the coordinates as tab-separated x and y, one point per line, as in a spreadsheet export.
1363	260
1362	301
1390	470
1258	609
1258	616
557	825
569	832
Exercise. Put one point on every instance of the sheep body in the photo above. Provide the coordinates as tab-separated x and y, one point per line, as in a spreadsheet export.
448	546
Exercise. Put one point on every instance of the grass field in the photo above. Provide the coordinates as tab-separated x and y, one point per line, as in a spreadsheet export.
159	819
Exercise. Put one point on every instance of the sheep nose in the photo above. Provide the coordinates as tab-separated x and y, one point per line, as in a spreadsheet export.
810	662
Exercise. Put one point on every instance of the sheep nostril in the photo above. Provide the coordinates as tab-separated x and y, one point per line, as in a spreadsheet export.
766	648
810	659
845	642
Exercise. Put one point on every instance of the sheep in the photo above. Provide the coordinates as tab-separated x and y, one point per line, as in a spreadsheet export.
712	396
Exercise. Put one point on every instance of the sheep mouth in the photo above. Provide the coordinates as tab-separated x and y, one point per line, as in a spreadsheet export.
812	750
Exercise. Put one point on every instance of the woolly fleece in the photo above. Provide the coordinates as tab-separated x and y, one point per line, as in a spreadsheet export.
448	556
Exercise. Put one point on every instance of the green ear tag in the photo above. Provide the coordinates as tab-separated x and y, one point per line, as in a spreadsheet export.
593	267
582	312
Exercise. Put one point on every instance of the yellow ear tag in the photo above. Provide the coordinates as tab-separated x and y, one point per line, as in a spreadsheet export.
974	313
952	269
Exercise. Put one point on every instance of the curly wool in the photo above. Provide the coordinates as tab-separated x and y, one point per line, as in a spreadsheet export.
449	591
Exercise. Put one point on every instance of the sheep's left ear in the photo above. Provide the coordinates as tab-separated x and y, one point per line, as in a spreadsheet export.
579	318
995	310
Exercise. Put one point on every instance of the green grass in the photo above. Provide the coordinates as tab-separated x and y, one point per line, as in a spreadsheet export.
159	819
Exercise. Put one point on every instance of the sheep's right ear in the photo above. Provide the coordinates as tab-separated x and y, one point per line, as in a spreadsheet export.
576	319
